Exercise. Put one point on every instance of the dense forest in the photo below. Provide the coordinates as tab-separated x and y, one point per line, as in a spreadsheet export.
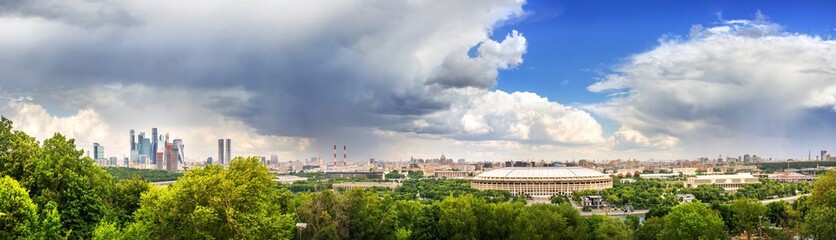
50	191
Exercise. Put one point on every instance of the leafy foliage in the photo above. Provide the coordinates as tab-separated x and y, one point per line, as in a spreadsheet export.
18	214
214	203
151	175
692	221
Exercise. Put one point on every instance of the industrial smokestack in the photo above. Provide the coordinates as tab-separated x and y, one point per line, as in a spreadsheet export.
335	155
345	154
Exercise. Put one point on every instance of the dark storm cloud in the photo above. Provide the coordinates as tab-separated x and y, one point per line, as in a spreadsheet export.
306	71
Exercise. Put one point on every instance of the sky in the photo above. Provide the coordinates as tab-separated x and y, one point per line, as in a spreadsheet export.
491	80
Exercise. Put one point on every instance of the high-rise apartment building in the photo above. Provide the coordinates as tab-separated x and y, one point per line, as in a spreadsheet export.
181	156
228	151
144	152
221	152
171	155
134	153
160	164
98	151
133	140
154	146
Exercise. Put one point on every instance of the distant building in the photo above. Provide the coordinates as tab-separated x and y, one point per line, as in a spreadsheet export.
685	198
181	156
824	156
208	160
134	153
541	181
221	152
154	146
114	161
593	201
98	151
287	179
365	185
791	177
274	159
143	149
160	156
727	182
228	151
451	174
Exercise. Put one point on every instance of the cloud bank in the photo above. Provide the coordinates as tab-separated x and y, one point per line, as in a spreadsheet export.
727	88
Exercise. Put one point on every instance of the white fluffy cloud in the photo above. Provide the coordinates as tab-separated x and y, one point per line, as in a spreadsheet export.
629	139
108	112
742	82
86	126
520	116
459	70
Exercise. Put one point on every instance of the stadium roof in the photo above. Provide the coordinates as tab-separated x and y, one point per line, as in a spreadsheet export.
541	173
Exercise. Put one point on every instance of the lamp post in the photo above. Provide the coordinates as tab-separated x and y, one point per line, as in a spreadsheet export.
300	227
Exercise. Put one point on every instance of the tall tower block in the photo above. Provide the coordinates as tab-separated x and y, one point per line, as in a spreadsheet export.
228	151
221	151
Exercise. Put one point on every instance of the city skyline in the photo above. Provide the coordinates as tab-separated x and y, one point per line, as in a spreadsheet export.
483	80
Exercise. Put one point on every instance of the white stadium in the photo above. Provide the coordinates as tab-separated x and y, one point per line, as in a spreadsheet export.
541	181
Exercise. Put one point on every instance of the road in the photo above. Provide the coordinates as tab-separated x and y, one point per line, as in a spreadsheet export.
786	199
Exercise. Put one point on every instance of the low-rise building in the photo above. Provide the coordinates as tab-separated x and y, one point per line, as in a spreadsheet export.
685	198
364	185
727	182
593	201
791	177
451	174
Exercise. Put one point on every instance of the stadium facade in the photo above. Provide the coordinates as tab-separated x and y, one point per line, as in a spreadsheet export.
541	181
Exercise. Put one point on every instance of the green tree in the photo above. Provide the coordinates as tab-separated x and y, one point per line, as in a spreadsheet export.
79	188
633	222
326	215
818	219
126	198
368	216
819	223
558	199
650	229
612	228
214	203
50	224
18	214
539	221
824	190
106	231
18	152
748	215
394	175
779	213
692	221
426	228
457	220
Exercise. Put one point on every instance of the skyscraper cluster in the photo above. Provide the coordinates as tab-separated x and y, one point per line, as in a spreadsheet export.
224	151
146	151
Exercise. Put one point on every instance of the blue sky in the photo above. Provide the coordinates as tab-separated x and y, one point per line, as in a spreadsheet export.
482	80
572	43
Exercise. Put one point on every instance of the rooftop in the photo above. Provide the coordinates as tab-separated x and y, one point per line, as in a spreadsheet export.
730	176
542	172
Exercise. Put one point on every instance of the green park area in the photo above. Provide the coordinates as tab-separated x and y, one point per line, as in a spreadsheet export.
49	190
